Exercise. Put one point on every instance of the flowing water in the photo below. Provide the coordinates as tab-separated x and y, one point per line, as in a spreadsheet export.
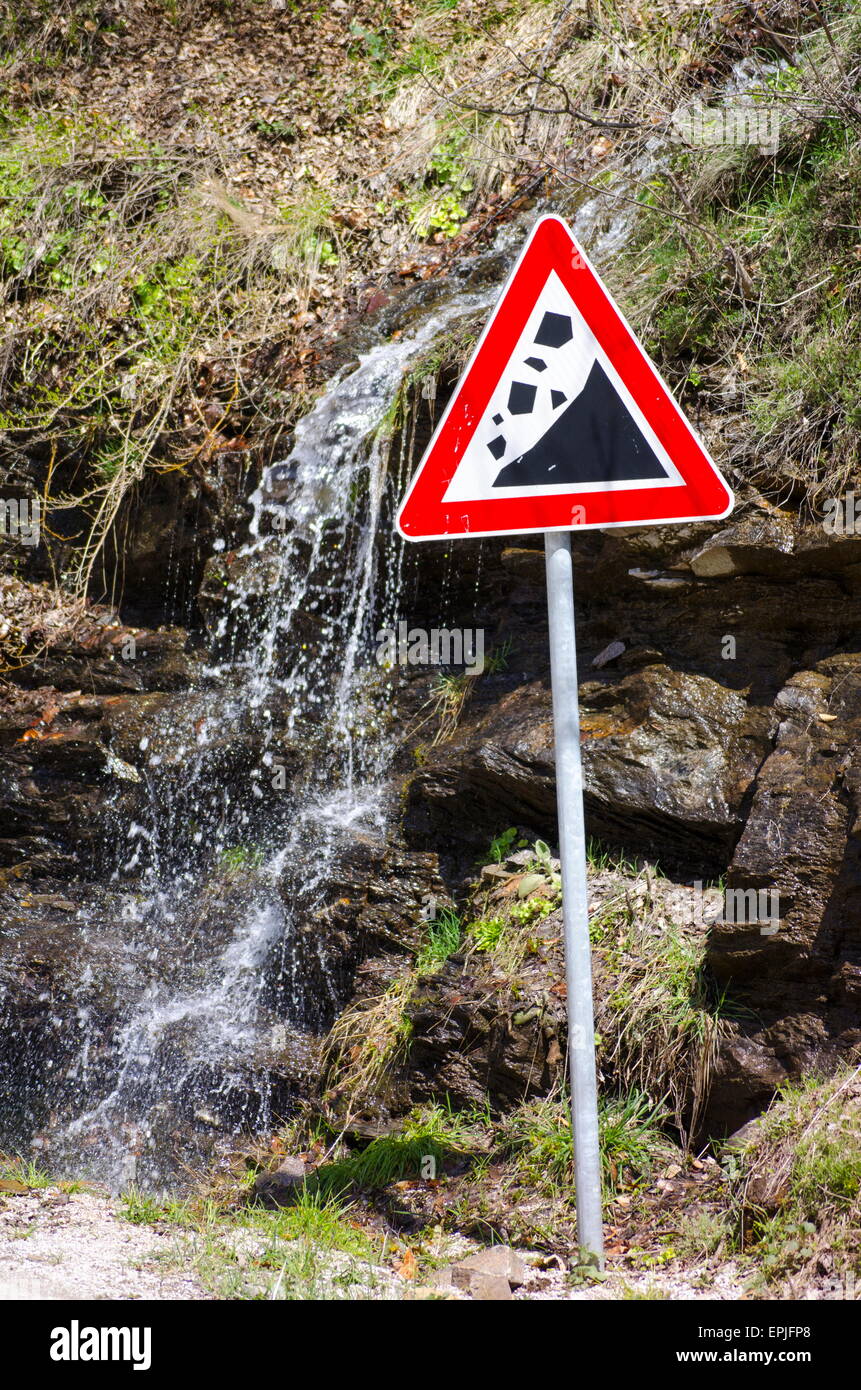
255	787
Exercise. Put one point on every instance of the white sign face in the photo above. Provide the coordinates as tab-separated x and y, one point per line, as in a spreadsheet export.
553	367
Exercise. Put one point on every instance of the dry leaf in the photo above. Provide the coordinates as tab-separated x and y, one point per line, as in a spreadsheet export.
408	1267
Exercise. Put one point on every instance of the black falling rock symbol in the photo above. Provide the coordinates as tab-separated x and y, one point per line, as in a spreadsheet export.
497	447
537	363
557	397
521	398
594	440
555	330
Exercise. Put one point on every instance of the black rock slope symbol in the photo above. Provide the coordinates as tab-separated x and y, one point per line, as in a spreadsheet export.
594	440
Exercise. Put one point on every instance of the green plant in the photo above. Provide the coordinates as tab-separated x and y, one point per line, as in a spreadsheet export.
429	1137
501	846
441	941
497	659
487	933
438	211
145	1209
274	131
374	44
631	1138
783	1243
703	1233
531	910
316	1218
238	857
438	206
23	1170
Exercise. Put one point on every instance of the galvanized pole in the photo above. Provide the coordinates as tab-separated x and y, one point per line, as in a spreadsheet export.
575	904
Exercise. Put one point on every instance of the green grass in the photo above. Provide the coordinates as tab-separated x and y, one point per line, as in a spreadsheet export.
752	286
825	1135
428	1139
311	1249
497	659
142	1208
704	1233
807	1153
660	1019
631	1135
239	857
600	859
442	939
17	1169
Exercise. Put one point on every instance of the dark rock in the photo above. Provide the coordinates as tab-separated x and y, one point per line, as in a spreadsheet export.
472	1038
668	758
802	981
382	896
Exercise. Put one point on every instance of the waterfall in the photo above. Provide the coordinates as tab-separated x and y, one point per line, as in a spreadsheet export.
219	885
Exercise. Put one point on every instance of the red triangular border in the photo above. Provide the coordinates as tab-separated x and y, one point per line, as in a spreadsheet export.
703	495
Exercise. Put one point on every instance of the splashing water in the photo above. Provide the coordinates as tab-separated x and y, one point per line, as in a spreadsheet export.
256	785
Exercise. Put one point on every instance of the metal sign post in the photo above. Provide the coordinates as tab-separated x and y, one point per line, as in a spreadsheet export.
575	902
559	413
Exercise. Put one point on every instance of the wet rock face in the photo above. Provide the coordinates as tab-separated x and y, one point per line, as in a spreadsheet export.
668	758
720	724
720	709
800	968
380	894
54	989
77	769
472	1040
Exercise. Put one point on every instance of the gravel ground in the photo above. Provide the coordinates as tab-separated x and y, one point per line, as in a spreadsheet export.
721	1284
54	1245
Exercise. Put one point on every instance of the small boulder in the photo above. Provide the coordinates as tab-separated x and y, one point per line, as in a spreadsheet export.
498	1260
281	1186
485	1288
488	1275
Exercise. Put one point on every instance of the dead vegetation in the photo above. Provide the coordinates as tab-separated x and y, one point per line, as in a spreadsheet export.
195	194
659	1017
743	275
364	1047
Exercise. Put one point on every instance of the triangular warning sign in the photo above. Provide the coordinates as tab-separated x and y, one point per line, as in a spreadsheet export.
560	419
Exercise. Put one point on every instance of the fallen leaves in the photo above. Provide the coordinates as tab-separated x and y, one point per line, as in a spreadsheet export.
408	1267
13	1187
